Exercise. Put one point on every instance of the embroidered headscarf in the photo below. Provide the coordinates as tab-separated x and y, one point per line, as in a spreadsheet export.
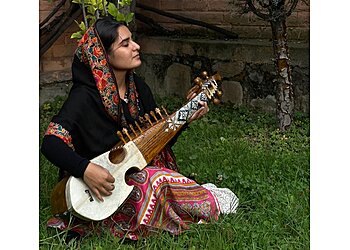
92	53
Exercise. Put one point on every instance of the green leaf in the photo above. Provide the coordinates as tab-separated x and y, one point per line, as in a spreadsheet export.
129	17
125	2
120	16
76	1
77	35
100	5
91	9
82	26
112	9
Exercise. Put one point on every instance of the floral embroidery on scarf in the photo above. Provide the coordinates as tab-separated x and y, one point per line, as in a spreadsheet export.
57	130
90	51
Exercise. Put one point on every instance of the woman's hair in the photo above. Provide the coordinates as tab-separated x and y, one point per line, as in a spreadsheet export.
107	29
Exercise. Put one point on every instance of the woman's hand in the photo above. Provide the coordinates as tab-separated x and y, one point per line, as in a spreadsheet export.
99	180
200	112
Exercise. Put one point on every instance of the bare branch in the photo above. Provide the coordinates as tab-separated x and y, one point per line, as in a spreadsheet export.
84	14
294	4
256	12
188	20
54	29
104	7
53	12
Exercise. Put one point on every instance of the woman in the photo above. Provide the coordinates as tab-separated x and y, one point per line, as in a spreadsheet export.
106	96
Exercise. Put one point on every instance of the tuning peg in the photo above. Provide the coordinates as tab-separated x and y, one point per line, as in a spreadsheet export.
204	74
125	132
165	111
158	112
198	81
121	137
153	115
132	129
216	101
148	118
219	93
138	126
217	77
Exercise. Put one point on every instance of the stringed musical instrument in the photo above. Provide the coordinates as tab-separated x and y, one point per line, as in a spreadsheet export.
135	152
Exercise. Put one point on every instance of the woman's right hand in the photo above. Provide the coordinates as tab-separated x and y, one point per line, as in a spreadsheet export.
99	180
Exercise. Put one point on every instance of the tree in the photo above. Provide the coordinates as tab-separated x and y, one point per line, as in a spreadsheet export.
276	12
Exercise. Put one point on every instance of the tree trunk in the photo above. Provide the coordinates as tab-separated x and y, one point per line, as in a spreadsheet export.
284	92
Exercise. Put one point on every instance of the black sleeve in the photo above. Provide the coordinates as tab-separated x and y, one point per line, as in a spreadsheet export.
62	156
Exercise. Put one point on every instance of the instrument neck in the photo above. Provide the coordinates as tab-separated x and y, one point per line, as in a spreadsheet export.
154	139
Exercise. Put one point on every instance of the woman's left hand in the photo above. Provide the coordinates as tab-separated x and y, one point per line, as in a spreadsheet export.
200	112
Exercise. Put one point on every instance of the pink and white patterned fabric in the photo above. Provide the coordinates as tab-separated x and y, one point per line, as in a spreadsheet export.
162	200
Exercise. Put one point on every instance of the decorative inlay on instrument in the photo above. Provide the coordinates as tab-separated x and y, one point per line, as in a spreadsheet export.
138	146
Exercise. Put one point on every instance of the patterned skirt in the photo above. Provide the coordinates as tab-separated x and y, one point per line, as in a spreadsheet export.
162	199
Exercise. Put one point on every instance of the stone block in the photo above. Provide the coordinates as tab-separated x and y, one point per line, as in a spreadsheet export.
228	69
258	53
55	76
49	92
146	72
177	80
232	92
187	49
267	104
57	64
211	49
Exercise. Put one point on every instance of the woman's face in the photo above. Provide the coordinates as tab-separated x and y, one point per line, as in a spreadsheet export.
124	53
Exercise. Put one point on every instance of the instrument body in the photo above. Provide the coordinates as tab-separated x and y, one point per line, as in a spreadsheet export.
81	200
137	153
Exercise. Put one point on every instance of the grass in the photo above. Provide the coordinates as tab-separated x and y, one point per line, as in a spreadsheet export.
231	147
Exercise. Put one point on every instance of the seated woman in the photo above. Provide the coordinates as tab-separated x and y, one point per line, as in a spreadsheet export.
105	97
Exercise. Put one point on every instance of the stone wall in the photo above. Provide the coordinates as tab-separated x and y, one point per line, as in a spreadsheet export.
170	65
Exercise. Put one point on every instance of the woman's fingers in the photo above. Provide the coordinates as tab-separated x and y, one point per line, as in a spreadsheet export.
99	180
200	112
97	193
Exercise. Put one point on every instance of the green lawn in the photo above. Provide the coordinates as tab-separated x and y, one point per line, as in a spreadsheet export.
231	147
